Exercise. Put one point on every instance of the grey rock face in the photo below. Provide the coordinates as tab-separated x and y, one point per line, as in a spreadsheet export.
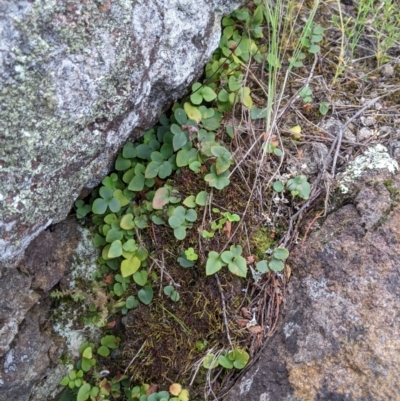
29	349
340	337
77	79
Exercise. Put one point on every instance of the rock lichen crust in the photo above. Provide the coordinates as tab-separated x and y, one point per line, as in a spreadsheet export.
77	79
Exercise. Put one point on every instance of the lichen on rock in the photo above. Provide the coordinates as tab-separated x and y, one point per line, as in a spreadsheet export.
374	158
77	79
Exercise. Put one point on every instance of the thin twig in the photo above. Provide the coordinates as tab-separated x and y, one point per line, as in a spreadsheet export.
224	310
133	359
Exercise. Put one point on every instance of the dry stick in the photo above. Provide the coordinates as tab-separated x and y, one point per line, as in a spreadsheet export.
133	359
224	310
310	225
336	143
344	126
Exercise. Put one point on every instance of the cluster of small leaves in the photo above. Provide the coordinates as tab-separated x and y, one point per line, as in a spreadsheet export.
298	186
129	200
310	39
146	393
233	259
220	222
188	258
75	380
270	148
237	45
180	219
237	358
275	263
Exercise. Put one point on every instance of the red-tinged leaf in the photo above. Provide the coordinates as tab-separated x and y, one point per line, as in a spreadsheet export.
243	322
112	324
106	385
152	389
161	198
108	279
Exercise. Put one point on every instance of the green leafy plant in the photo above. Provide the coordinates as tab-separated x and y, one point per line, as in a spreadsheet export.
306	94
233	259
180	219
170	291
220	222
175	390
218	181
237	358
298	186
81	209
202	92
275	262
76	381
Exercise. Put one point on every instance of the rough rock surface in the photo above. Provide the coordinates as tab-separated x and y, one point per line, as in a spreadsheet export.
28	348
340	338
77	78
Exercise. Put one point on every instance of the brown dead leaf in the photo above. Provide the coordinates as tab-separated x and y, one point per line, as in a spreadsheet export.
246	313
159	182
227	229
110	325
288	272
108	279
275	140
105	384
255	329
243	322
251	259
152	389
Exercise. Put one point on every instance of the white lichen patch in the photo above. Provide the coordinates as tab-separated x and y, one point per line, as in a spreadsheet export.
85	257
290	328
374	158
68	317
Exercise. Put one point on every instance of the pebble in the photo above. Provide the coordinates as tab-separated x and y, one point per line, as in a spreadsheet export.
387	70
368	121
349	136
364	134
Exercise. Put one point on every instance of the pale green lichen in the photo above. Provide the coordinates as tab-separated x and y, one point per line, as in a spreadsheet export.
376	157
68	317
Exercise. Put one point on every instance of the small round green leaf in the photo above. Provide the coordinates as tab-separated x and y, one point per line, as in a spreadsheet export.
168	290
131	302
180	233
281	253
99	206
190	201
262	266
225	362
214	263
278	186
110	341
210	361
115	249
276	265
84	392
129	266
180	116
103	351
140	277
146	295
175	222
